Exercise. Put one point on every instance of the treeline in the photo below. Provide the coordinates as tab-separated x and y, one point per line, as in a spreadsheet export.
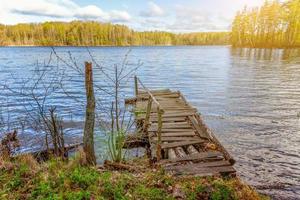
275	24
90	33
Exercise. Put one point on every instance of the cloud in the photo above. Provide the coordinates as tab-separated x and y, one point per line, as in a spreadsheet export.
153	10
192	19
90	12
63	9
119	16
39	8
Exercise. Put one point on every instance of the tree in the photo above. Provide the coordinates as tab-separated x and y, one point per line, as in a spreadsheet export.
272	25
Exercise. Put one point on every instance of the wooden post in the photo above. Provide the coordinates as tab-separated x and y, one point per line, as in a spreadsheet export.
88	134
116	98
136	87
159	128
147	117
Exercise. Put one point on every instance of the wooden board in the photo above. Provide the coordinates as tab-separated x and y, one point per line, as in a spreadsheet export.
200	165
172	139
197	127
178	134
180	144
195	157
170	126
204	171
168	114
168	130
170	119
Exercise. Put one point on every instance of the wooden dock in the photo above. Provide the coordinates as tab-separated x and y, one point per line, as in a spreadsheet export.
178	138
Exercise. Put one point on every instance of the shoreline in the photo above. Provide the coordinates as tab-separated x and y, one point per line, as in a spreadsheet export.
128	46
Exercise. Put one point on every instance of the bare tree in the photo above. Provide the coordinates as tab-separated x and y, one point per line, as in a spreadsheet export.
36	92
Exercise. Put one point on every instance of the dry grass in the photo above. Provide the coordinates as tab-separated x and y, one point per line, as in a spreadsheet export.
29	160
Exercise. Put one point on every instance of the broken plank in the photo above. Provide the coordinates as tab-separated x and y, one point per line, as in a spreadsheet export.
166	130
197	126
173	123
195	157
178	134
165	126
180	144
205	171
171	119
168	114
170	139
200	165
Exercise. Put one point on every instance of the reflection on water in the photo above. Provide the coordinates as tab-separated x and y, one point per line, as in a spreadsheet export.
266	54
249	97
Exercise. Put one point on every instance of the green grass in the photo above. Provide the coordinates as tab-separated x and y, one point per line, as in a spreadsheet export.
23	178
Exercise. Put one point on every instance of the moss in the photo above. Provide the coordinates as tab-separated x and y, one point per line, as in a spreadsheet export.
59	180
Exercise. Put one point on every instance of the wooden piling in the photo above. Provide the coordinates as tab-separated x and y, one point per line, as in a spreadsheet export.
136	87
88	134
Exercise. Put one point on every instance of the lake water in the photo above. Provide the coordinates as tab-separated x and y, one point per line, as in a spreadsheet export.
249	98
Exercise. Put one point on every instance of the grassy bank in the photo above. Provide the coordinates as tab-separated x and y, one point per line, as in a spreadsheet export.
24	178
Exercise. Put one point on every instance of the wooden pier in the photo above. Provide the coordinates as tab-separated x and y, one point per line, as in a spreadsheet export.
177	137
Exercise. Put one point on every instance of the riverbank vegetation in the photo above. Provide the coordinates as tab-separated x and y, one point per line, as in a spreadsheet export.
24	178
276	24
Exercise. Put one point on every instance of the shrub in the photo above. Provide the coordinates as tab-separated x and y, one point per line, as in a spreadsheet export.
116	142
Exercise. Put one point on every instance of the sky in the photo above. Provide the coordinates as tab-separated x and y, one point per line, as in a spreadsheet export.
141	15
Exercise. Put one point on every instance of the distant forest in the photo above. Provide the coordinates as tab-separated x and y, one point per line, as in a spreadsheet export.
91	33
275	24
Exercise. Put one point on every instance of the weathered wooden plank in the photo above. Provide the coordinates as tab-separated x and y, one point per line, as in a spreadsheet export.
192	150
155	91
173	123
171	126
174	108
171	154
178	134
195	157
179	144
167	130
197	127
164	101
200	165
172	139
168	114
205	171
140	101
180	152
215	139
171	119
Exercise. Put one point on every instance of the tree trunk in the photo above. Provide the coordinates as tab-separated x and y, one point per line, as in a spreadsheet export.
88	135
